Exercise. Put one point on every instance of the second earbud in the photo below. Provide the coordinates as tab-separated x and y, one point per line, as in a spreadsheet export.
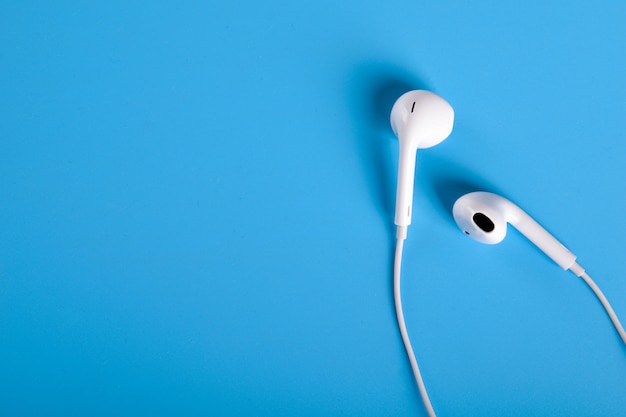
484	216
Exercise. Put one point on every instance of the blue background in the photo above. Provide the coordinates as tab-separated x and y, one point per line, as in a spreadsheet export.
197	208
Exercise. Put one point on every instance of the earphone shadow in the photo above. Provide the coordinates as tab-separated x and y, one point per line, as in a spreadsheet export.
376	86
374	89
445	181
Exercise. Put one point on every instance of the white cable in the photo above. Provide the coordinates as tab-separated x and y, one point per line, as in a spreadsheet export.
605	303
400	315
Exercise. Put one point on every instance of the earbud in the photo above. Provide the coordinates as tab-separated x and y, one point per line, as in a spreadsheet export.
484	216
420	119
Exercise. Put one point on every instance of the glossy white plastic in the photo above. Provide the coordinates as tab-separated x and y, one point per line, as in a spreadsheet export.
483	216
420	119
470	212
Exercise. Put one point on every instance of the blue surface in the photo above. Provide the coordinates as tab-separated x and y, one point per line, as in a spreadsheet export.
197	207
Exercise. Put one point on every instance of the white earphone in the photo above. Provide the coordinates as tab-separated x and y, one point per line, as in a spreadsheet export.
420	119
483	216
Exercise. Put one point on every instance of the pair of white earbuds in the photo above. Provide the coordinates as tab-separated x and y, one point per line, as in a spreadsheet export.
421	119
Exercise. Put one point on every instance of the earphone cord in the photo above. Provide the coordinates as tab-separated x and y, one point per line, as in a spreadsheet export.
605	303
400	315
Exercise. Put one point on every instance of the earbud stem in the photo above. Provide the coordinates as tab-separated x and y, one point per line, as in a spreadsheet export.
406	178
540	237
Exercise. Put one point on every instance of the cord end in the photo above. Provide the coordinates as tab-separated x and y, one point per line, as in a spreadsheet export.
401	232
577	269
